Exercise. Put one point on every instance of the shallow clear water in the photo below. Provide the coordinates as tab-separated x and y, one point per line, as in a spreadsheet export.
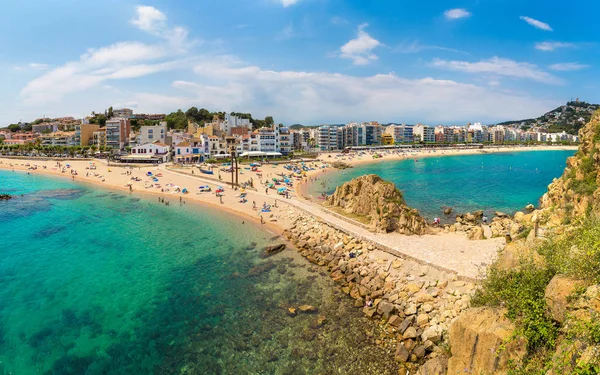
503	182
100	282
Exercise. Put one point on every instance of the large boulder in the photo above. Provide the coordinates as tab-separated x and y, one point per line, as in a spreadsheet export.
557	294
482	342
435	366
378	202
515	253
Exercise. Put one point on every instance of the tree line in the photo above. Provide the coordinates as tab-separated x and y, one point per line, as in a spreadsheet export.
179	119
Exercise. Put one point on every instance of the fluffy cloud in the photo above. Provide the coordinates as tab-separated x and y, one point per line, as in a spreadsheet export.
154	22
501	67
123	60
570	66
551	46
359	50
537	24
313	97
454	14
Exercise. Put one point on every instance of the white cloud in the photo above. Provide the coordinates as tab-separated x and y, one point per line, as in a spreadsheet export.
122	60
154	22
551	46
537	24
359	50
453	14
287	3
150	19
91	70
315	97
566	67
499	66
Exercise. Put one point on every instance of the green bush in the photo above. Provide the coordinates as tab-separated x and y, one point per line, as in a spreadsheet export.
521	292
577	255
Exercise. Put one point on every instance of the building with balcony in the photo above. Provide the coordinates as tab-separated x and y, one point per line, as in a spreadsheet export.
84	134
117	133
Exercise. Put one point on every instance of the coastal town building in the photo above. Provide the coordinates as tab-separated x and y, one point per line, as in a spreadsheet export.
64	139
84	134
45	128
117	133
191	151
99	138
232	121
123	113
424	133
328	138
155	152
151	134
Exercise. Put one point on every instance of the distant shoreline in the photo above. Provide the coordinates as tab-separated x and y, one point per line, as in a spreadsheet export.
353	160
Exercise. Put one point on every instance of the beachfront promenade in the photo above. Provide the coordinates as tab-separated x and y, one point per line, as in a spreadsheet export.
448	251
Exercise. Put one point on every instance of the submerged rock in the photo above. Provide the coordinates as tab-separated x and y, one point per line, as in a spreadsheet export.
307	308
273	249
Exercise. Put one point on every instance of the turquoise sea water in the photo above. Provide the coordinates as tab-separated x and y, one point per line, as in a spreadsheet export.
100	282
503	182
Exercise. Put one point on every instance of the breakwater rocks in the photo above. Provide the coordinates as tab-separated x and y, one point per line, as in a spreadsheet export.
5	197
500	226
377	203
413	304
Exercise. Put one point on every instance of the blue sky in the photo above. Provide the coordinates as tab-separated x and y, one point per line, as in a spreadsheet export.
301	61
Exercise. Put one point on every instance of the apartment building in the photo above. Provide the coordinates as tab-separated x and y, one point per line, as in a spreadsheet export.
117	133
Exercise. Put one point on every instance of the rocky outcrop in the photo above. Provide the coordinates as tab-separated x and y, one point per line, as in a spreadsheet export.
482	342
378	203
557	295
5	197
576	193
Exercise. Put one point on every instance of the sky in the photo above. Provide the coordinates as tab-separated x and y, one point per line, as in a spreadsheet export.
300	61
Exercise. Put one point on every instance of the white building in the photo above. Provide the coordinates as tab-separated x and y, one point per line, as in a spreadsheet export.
151	134
327	138
268	139
150	153
424	133
285	141
232	121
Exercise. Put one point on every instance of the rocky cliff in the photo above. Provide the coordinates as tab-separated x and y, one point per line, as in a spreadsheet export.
575	194
377	202
540	302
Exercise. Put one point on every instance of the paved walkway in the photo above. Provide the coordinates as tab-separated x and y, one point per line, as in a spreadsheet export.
449	251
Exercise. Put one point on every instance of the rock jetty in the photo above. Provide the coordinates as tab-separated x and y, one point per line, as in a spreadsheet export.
414	304
378	204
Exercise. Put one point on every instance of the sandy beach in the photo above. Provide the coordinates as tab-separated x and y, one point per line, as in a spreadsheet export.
448	251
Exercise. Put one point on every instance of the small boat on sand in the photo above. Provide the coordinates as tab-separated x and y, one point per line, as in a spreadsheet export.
205	171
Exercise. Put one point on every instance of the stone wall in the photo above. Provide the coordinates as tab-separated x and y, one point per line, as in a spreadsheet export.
414	304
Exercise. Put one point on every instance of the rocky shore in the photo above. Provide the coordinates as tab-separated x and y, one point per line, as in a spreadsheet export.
413	305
